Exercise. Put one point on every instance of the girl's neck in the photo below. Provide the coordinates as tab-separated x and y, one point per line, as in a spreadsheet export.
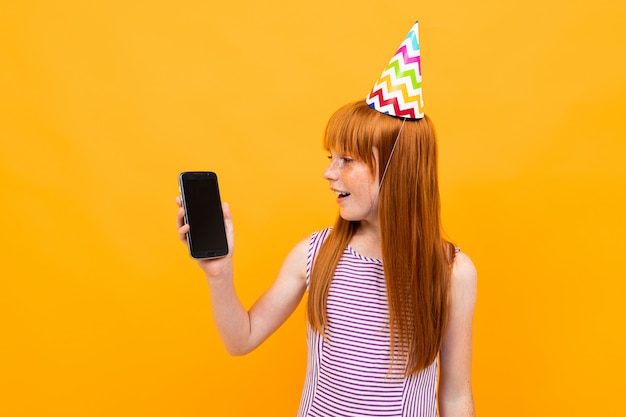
366	240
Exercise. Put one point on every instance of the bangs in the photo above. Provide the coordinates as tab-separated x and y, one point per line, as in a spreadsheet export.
354	130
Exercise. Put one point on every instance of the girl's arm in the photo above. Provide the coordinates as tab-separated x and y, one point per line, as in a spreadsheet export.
455	387
241	331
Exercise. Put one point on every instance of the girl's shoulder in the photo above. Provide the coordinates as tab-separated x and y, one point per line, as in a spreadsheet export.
462	264
318	237
464	275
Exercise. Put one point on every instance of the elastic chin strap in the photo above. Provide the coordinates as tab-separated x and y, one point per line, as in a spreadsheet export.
393	148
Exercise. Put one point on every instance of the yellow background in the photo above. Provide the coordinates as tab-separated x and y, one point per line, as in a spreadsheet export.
103	103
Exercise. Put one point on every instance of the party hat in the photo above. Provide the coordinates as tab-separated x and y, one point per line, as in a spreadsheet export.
398	91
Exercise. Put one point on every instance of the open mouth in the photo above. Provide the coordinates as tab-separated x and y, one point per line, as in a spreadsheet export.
341	194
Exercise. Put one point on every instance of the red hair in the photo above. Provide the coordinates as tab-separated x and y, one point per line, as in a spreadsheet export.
417	260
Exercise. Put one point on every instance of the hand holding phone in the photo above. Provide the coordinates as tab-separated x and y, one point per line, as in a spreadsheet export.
200	197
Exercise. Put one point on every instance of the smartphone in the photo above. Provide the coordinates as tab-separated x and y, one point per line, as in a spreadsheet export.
203	213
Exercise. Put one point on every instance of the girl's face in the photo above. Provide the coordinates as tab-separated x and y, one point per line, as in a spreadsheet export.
355	185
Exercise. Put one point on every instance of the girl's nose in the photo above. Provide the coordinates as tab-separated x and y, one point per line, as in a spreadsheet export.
330	173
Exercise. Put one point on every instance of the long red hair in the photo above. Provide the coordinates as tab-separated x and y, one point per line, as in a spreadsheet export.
416	258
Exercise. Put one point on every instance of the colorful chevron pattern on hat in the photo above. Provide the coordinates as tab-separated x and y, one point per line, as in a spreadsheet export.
398	91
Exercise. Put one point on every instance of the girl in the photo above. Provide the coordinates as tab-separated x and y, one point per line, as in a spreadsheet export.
376	338
390	301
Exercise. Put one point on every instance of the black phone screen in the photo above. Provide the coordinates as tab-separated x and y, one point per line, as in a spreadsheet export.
203	213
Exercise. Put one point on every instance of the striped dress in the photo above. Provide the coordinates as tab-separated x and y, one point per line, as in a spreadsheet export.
349	373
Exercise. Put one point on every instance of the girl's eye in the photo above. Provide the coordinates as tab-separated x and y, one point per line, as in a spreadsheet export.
340	160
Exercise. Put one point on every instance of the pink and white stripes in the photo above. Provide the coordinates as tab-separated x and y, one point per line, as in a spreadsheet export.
349	373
